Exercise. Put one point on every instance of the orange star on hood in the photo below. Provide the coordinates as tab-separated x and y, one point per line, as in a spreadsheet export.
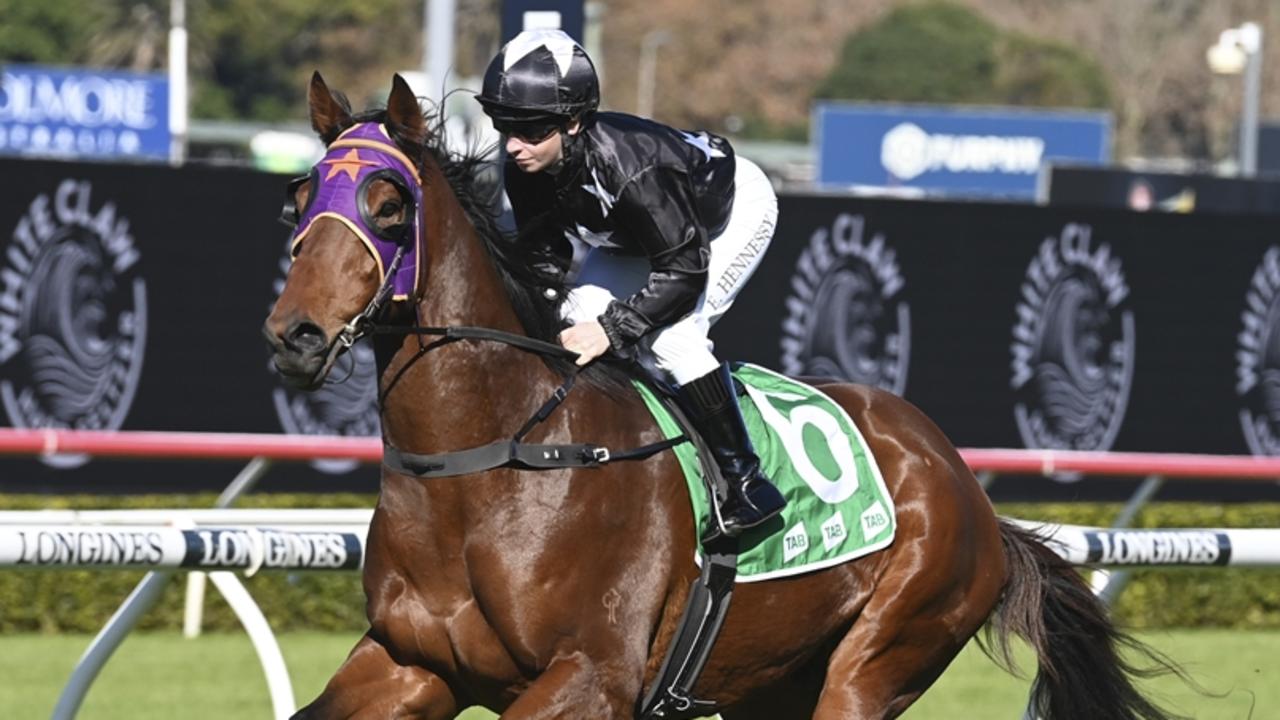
349	164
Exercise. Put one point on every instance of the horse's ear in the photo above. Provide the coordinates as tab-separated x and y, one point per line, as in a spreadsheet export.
329	114
404	115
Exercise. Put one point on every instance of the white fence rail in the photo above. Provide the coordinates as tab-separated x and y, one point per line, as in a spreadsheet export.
1180	547
225	540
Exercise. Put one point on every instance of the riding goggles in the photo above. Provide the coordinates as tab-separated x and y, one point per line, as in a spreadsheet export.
531	132
340	185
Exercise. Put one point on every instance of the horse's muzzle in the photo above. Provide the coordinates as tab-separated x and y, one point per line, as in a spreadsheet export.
300	353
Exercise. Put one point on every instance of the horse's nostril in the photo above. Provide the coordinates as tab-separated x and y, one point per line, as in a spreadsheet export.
305	337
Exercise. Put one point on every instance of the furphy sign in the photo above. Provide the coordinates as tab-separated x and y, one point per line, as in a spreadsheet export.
83	113
966	151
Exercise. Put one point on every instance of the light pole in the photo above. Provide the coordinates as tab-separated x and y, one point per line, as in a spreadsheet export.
437	47
178	114
1239	50
653	40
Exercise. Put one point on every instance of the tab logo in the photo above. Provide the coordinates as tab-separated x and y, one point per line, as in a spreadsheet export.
833	532
795	542
875	521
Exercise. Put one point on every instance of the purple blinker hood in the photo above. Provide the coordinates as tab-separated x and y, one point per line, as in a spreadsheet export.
339	182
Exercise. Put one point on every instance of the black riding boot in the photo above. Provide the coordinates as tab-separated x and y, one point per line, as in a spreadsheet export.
712	406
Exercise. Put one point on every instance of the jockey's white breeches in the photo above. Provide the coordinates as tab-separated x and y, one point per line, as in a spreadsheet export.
681	351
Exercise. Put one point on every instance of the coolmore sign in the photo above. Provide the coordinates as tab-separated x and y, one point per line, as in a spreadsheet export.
944	150
83	113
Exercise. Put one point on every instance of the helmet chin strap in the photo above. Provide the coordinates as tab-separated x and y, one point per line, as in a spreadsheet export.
570	149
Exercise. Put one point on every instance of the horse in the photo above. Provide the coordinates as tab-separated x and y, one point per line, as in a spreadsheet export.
556	593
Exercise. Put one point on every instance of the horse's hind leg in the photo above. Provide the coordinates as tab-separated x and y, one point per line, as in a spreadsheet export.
574	687
371	685
792	697
875	674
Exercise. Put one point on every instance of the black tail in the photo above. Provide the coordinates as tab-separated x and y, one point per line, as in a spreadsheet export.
1081	672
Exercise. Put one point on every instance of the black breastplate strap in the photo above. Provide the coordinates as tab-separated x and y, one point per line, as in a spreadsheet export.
516	454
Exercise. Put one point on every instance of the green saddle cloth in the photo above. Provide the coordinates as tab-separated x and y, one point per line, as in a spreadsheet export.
837	506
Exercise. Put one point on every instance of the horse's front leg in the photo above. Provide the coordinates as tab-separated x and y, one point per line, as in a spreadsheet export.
371	685
571	688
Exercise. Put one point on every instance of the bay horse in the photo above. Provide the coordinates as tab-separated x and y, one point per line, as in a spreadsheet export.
555	594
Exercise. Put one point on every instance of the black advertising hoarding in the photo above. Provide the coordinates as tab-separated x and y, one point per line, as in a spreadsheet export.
132	297
1022	326
1110	187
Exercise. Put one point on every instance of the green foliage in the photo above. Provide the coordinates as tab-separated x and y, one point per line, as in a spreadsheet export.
930	52
255	58
1043	73
942	52
82	600
51	31
758	128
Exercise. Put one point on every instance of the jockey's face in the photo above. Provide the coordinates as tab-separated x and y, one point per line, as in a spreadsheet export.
536	149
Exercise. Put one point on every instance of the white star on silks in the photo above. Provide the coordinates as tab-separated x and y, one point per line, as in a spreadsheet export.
556	42
597	189
703	143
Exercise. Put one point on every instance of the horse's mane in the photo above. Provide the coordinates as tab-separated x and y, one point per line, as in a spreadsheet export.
535	294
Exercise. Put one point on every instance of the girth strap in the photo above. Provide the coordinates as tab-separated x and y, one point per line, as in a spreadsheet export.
671	696
510	453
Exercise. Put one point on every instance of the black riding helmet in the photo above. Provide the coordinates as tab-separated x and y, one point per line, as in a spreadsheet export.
540	75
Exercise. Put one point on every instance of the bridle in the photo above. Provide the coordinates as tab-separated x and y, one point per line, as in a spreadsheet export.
361	155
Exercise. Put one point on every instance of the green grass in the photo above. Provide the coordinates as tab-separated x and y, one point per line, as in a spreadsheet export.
217	676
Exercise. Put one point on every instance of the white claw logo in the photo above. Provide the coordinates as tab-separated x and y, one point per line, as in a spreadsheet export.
845	317
1073	345
1258	358
73	316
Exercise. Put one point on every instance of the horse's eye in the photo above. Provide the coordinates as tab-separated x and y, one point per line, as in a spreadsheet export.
390	208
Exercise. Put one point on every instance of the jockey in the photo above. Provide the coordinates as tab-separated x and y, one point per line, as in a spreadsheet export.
656	228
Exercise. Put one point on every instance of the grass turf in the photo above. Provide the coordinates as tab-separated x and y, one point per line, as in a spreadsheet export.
217	676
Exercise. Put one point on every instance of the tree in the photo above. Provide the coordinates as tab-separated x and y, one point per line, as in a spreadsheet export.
942	52
933	52
252	59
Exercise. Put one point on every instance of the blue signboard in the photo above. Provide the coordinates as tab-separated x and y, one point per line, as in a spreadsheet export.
952	150
83	113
